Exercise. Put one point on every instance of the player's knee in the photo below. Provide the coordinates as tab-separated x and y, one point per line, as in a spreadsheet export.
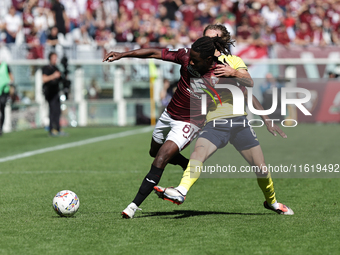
161	160
197	155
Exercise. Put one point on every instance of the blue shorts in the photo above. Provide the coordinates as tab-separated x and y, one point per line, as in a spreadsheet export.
236	130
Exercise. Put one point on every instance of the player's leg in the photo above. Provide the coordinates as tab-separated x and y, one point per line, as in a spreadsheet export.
54	108
175	140
254	157
181	134
177	159
165	153
207	143
246	142
159	135
203	149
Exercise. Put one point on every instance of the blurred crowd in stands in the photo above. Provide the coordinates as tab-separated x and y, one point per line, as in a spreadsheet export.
166	23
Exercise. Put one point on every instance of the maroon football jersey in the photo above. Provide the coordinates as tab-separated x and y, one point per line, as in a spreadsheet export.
185	104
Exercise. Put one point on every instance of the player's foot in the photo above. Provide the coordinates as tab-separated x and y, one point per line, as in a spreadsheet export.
283	209
159	191
173	195
54	133
62	133
130	210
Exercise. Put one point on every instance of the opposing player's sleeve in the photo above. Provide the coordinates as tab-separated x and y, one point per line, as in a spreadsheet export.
178	56
233	61
238	63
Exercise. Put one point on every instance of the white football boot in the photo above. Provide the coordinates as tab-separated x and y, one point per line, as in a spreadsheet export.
130	210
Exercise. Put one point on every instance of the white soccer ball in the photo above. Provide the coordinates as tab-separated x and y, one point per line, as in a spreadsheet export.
66	203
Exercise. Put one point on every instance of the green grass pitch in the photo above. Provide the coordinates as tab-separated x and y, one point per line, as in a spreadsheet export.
219	216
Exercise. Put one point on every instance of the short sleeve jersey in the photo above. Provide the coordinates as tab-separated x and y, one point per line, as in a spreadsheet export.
185	104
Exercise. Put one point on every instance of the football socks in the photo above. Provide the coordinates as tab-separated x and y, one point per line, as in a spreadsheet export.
150	180
190	175
267	186
179	159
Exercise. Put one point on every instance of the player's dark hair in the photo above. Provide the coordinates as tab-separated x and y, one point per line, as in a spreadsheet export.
51	54
225	34
206	46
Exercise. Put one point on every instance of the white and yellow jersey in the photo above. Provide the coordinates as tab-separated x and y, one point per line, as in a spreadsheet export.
226	109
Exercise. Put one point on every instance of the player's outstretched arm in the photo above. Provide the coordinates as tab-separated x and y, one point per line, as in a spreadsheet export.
141	53
271	127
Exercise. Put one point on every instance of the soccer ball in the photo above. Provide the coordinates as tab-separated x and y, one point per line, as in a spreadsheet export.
66	203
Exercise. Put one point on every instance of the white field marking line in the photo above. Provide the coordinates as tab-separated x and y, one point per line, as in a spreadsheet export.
79	143
79	172
70	172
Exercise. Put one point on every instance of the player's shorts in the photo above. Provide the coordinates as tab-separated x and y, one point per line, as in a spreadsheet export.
180	132
236	130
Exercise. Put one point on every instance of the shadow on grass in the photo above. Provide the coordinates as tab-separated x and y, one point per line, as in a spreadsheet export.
180	214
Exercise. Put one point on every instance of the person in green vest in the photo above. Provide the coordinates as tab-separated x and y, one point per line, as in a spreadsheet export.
6	78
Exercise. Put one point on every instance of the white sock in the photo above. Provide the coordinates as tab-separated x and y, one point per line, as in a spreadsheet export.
183	190
275	205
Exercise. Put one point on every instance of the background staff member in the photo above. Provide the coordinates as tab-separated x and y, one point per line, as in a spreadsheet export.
6	78
51	80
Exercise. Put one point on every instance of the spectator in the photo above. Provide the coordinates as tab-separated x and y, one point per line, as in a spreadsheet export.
81	36
60	17
303	35
36	50
41	24
168	39
336	36
255	17
145	7
244	32
104	37
327	31
28	20
128	7
317	35
182	38
171	6
73	10
52	38
195	30
282	35
256	35
108	11
18	5
13	24
188	11
272	14
123	28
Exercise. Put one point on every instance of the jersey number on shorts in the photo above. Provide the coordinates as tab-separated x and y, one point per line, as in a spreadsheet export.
188	131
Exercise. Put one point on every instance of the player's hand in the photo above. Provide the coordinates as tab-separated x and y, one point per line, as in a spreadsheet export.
56	75
275	129
224	70
112	56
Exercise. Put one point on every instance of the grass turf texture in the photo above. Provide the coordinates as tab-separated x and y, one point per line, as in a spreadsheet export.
219	216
